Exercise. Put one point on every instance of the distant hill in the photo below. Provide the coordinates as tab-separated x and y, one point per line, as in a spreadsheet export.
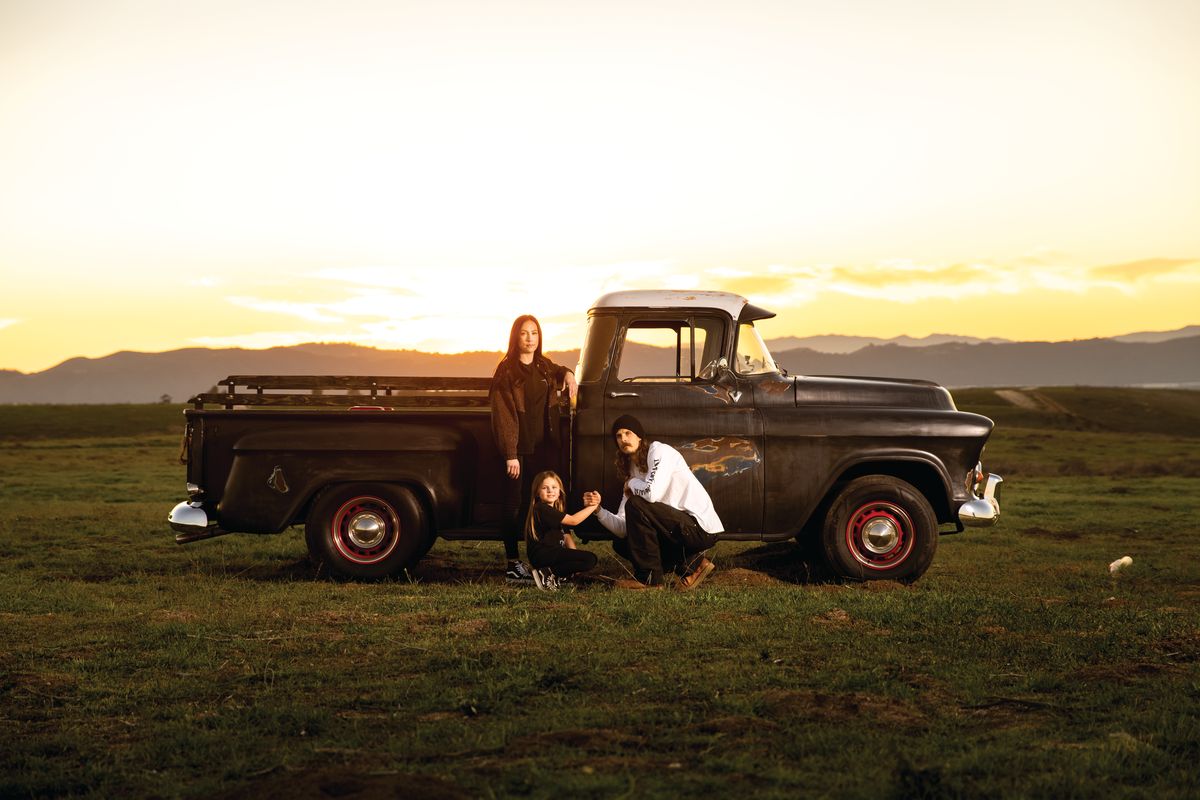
128	377
1159	336
835	343
1090	362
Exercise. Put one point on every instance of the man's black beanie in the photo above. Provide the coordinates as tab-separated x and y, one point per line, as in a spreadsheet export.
629	423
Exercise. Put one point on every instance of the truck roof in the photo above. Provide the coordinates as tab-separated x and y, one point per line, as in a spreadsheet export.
730	303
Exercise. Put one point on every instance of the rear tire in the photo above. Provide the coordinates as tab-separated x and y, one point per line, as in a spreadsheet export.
366	531
880	528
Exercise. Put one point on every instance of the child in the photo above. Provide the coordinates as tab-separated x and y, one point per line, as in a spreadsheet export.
551	550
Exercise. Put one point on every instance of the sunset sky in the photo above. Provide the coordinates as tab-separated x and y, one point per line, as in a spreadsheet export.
415	175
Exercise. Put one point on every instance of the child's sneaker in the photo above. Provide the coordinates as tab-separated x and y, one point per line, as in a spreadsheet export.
517	572
544	579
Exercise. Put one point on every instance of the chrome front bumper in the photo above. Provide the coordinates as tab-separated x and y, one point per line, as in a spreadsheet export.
980	512
190	522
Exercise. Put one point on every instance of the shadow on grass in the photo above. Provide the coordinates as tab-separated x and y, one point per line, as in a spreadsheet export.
780	562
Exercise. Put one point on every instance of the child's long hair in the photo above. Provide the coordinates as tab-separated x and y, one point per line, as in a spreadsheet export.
530	531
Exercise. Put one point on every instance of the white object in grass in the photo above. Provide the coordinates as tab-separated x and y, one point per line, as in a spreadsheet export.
1119	564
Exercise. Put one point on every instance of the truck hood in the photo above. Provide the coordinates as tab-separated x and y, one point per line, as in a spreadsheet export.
824	390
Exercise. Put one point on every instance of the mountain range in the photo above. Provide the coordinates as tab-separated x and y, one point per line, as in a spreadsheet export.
1151	358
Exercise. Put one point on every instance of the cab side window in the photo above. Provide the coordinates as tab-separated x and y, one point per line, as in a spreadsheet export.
669	350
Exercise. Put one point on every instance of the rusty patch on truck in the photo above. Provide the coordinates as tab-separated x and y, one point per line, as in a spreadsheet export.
717	392
723	457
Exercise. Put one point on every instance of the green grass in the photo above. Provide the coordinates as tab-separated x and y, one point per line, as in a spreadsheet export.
1016	667
37	422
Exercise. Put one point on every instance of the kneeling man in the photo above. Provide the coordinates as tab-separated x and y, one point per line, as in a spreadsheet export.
666	518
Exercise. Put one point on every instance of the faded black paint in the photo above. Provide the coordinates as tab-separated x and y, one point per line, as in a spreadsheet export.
768	448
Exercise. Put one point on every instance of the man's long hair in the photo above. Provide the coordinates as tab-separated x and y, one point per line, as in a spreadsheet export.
514	338
639	459
531	529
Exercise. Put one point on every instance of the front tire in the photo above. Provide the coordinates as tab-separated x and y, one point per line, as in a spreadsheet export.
366	531
880	528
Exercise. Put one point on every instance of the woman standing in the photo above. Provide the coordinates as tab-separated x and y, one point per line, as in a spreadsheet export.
524	396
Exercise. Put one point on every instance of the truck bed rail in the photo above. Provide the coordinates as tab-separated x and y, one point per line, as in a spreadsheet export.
346	391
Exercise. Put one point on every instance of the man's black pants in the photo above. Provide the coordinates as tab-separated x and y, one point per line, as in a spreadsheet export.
660	537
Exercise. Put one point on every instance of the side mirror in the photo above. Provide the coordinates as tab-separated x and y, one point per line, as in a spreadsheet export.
718	371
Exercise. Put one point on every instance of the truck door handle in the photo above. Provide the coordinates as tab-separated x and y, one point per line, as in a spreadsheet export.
623	394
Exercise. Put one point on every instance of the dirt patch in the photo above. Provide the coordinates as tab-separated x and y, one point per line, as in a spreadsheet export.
347	782
1181	649
470	627
779	704
741	577
735	726
1124	671
1019	399
835	617
1008	711
345	617
584	739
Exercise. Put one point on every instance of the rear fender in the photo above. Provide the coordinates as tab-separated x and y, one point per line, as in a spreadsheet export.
274	476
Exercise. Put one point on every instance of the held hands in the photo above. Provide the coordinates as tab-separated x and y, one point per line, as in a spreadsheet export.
513	467
591	499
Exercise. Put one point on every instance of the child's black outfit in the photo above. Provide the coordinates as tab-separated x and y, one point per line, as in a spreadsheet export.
548	550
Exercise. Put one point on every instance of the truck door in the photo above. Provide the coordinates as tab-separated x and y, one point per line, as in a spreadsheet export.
658	375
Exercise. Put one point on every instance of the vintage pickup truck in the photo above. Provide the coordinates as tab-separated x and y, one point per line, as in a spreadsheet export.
378	468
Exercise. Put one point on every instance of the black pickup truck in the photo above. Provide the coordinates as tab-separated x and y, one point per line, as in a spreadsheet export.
377	468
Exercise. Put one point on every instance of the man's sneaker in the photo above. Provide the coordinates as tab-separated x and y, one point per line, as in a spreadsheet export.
517	572
696	576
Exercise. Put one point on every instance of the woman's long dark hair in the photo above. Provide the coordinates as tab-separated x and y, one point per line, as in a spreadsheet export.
514	338
639	457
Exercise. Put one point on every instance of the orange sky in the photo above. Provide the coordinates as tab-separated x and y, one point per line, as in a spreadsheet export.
416	175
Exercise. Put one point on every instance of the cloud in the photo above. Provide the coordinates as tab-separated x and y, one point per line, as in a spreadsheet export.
905	273
265	339
4	323
394	278
756	285
313	312
1146	268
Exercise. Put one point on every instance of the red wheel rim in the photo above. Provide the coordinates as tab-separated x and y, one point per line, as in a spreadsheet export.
879	535
365	530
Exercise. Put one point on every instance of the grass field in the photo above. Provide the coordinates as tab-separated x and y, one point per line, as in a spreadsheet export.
1016	667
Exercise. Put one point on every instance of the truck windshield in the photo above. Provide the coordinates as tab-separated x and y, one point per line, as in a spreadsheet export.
752	355
597	342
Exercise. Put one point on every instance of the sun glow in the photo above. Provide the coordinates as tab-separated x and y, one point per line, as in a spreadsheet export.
410	176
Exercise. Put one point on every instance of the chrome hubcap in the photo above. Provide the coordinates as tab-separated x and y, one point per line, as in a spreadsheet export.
880	535
366	530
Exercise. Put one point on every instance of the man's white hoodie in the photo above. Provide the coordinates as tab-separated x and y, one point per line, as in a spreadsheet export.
667	479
